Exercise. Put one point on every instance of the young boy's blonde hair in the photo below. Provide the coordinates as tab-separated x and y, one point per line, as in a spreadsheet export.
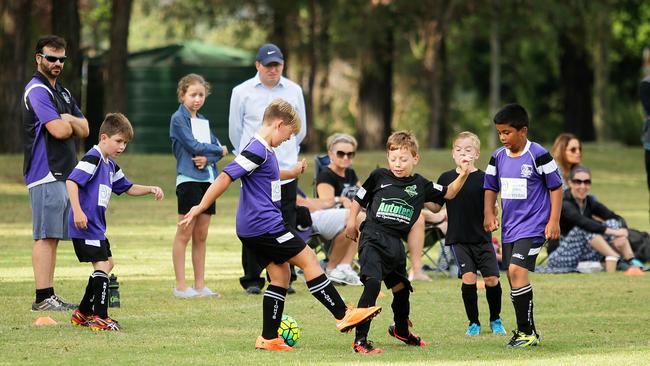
115	123
281	109
402	140
188	80
476	142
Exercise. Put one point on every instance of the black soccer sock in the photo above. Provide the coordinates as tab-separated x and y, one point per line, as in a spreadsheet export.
86	304
272	308
368	298
100	294
44	293
470	300
522	299
493	296
323	290
401	310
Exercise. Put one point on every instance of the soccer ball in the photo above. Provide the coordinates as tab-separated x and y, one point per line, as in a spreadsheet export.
289	330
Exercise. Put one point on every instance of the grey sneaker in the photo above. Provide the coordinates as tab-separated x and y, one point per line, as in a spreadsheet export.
189	292
206	292
52	303
66	305
336	275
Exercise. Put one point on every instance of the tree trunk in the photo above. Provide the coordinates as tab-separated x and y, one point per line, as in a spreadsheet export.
601	33
576	84
65	23
15	27
495	74
312	133
115	98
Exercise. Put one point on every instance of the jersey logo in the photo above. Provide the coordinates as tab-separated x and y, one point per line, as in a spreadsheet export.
382	186
526	170
66	97
411	190
395	209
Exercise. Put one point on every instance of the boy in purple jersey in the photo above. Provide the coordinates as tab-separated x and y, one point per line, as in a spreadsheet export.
261	229
90	186
531	199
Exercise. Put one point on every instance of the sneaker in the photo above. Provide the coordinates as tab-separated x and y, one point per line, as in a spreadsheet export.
473	330
521	340
291	290
78	318
636	263
65	304
253	290
99	324
351	277
52	303
412	339
275	344
335	275
365	346
189	292
497	327
206	292
356	316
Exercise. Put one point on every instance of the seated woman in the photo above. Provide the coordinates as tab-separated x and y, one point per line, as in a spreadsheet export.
588	228
567	152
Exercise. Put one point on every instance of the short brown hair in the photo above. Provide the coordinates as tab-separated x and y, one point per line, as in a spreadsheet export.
52	41
188	80
402	140
115	123
281	109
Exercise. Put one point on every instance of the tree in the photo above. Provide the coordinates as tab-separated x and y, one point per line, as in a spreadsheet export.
115	98
15	31
65	23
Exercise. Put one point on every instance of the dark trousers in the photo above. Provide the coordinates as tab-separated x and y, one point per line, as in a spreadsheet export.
252	270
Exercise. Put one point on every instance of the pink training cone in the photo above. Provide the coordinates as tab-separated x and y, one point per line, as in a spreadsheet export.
44	320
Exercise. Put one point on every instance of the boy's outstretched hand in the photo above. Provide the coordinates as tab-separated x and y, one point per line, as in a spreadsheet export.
157	193
300	167
351	231
552	230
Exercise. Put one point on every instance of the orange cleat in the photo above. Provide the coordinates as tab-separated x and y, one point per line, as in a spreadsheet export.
354	317
365	346
275	344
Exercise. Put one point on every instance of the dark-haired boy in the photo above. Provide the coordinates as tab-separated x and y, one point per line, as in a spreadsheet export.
90	186
531	199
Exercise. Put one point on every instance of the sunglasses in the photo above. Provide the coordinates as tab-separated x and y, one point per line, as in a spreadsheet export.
575	149
53	59
342	154
580	181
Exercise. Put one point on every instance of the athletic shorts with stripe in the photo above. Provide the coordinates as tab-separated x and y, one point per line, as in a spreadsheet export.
522	252
476	257
383	257
277	248
92	250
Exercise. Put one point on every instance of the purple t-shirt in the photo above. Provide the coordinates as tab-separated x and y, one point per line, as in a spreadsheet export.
97	178
259	202
524	182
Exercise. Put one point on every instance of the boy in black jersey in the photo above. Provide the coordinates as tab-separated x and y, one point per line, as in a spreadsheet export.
393	200
470	243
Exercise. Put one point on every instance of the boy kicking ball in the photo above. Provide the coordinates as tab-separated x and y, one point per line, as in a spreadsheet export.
90	186
261	229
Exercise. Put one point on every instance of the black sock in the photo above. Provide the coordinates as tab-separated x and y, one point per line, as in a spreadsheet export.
323	290
86	304
522	299
272	308
368	298
470	300
100	294
493	296
401	309
43	293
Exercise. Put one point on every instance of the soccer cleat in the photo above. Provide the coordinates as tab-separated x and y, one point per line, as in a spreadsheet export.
78	318
253	290
65	304
473	330
356	316
275	344
497	327
412	339
365	346
97	323
52	303
521	340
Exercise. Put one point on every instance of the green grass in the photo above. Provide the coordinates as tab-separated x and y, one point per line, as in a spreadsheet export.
583	319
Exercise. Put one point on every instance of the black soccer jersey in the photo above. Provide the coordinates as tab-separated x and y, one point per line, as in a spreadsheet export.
340	184
465	211
393	203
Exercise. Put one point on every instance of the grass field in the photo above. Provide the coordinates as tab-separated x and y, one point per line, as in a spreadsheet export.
583	319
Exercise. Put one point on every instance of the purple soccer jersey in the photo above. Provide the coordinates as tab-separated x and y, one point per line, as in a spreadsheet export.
97	178
524	182
259	202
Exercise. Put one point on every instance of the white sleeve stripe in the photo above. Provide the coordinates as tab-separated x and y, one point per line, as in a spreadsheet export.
437	187
30	89
491	170
119	175
248	165
87	167
548	168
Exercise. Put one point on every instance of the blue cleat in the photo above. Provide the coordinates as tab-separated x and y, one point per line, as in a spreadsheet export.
497	327
473	330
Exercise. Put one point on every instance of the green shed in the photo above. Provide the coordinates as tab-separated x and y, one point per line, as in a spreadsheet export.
151	88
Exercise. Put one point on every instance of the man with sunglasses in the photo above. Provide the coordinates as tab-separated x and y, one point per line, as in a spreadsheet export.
247	104
51	121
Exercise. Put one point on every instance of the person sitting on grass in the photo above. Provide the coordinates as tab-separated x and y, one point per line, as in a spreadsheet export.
261	229
393	199
90	186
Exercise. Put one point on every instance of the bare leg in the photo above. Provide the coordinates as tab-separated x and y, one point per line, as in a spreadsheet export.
181	239
339	250
199	245
602	247
307	260
416	245
43	262
622	245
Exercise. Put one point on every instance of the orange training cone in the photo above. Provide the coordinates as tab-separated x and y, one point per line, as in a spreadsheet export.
44	320
634	271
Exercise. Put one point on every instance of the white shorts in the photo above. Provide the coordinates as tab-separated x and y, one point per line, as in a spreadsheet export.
329	222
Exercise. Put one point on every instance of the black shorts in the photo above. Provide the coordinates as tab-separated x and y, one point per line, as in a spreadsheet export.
92	250
277	248
476	257
190	194
522	252
382	256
